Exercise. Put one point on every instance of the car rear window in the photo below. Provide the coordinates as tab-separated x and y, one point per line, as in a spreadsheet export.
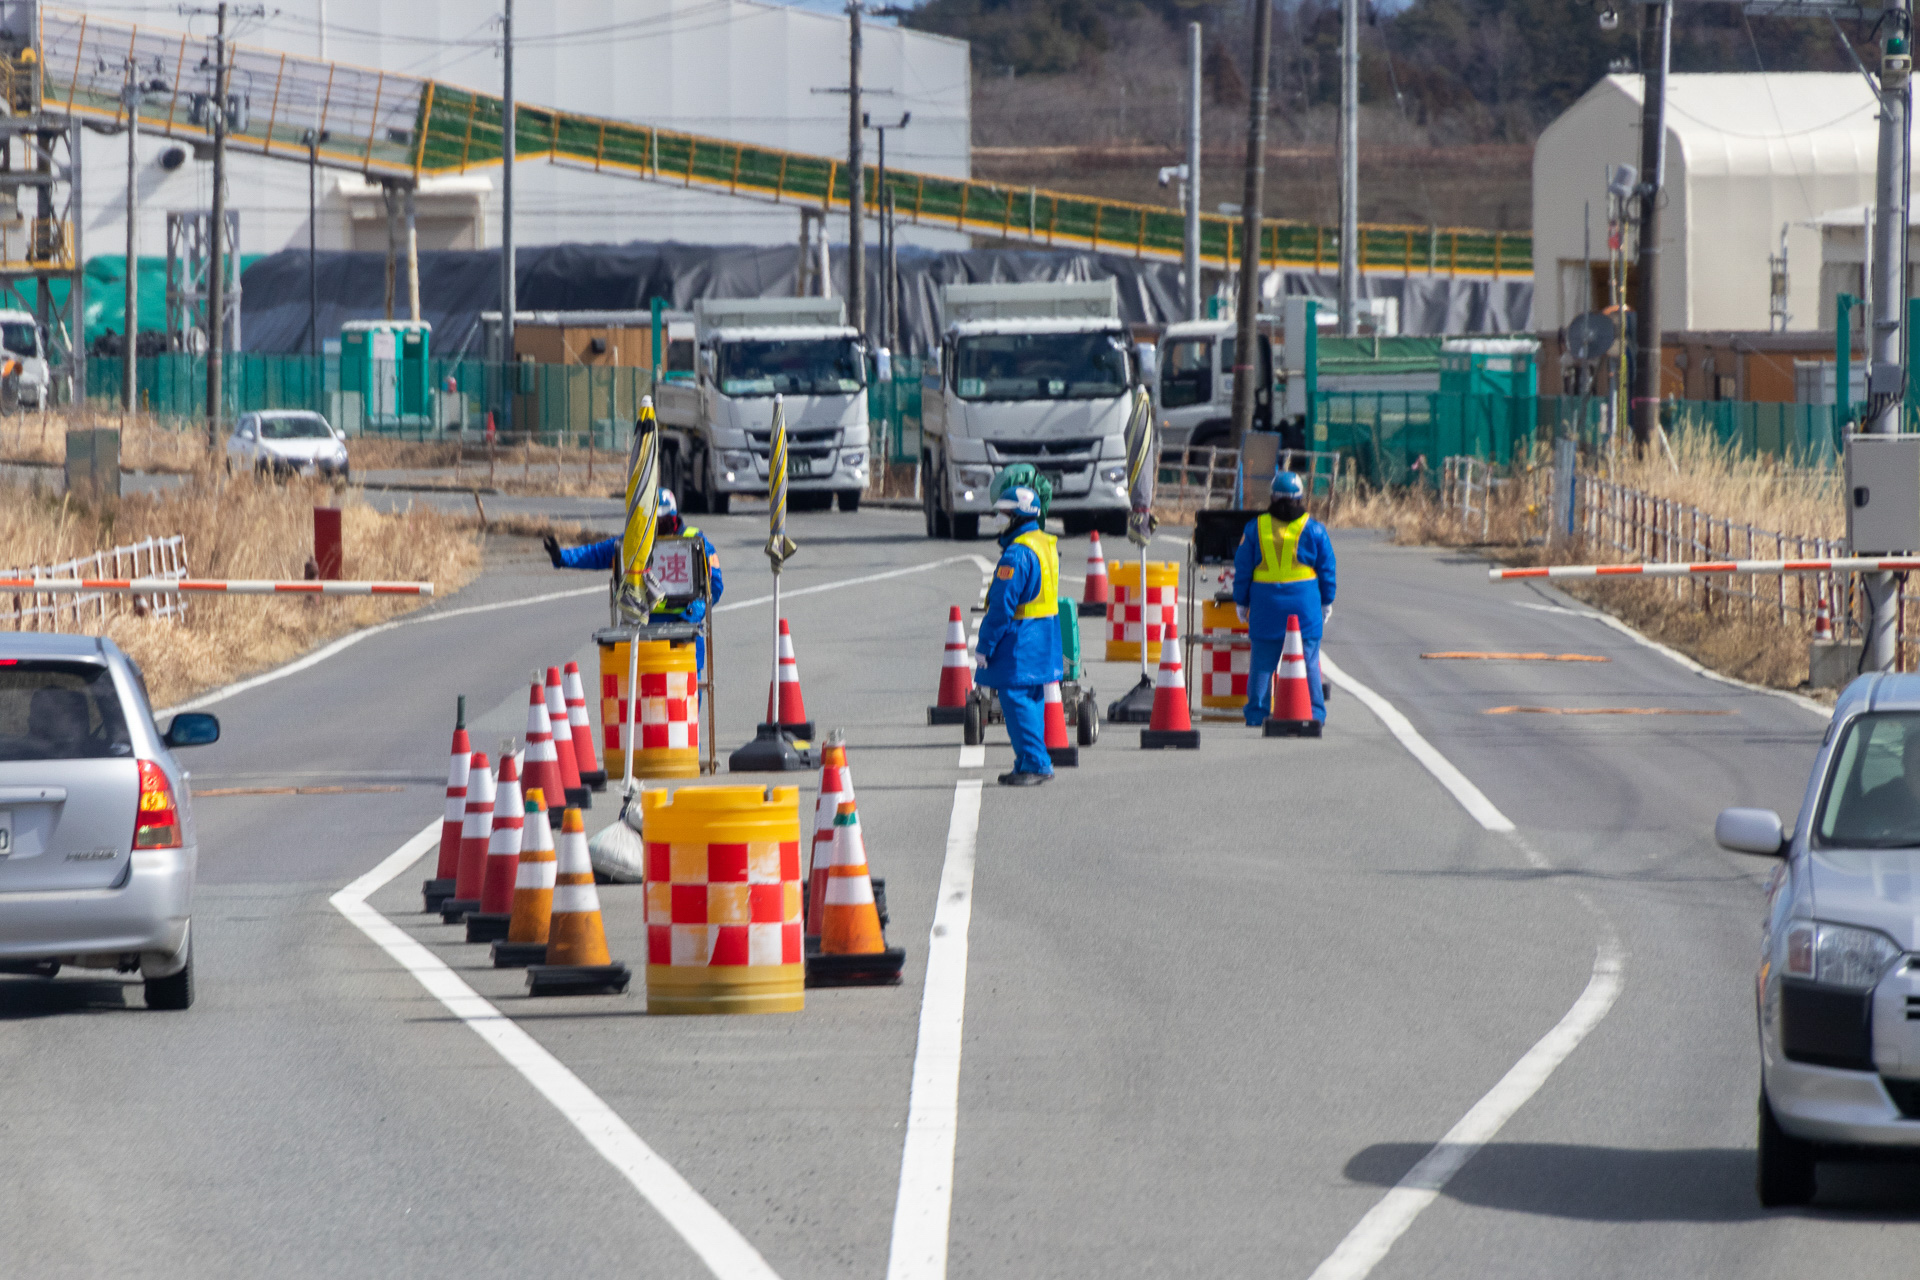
60	711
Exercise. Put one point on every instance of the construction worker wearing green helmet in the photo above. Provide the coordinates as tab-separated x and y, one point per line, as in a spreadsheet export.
1023	473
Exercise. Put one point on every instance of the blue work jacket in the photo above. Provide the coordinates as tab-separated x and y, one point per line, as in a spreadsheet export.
1019	652
606	553
1269	603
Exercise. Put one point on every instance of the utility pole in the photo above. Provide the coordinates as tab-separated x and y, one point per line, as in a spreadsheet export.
887	299
1349	165
1246	361
1190	255
856	180
1886	385
130	98
313	248
216	238
508	299
1656	49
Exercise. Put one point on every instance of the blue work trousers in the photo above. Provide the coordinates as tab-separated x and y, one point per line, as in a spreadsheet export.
1266	660
1025	707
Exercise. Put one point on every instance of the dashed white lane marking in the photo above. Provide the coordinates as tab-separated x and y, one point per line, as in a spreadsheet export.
923	1212
788	594
973	757
724	1250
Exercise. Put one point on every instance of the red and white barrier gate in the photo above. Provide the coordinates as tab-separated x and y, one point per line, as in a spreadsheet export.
215	586
1679	569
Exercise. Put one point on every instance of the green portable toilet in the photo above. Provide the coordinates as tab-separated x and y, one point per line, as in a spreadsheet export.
1490	366
385	372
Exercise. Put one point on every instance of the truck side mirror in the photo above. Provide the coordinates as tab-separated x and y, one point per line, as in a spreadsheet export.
706	364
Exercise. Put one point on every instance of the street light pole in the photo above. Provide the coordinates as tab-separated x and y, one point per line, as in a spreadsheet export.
1190	255
1886	385
1349	166
508	281
886	300
216	238
1245	358
1656	50
856	179
130	98
313	248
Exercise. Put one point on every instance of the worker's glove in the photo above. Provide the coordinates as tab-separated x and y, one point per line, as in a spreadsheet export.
695	611
552	544
1326	614
1241	611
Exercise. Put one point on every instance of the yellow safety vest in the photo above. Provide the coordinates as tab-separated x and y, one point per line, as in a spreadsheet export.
1278	563
1047	551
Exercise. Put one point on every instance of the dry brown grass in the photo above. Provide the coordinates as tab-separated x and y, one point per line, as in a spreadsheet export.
146	442
240	527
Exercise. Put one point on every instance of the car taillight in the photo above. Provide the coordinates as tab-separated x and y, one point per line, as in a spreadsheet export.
157	824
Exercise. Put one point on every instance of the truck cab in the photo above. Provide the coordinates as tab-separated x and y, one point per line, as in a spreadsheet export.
1038	373
1193	392
717	427
29	381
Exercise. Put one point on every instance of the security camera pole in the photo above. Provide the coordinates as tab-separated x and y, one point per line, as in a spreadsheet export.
1656	48
1245	358
1886	381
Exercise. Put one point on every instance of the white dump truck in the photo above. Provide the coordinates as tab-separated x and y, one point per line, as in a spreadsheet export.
716	430
1038	373
26	378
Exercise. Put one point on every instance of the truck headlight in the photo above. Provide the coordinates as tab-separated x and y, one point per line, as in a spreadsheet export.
1114	475
736	461
1838	955
853	457
979	477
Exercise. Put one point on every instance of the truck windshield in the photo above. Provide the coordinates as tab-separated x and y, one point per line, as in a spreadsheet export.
19	338
1872	798
1040	366
1186	373
820	367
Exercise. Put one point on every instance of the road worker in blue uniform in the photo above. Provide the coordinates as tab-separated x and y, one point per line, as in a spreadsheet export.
1019	650
1283	568
605	554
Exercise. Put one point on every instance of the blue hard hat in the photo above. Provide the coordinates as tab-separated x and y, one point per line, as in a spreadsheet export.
1020	501
668	506
1287	485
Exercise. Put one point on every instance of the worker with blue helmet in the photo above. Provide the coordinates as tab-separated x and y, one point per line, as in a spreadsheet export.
605	554
1018	651
1283	569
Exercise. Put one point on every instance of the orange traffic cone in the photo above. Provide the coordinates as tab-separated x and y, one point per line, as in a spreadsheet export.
853	946
543	762
1171	725
956	675
526	940
1093	601
836	786
503	858
577	962
785	707
578	797
476	829
584	755
440	888
1060	748
1822	622
1290	708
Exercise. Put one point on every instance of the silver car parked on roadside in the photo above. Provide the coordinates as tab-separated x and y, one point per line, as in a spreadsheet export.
97	845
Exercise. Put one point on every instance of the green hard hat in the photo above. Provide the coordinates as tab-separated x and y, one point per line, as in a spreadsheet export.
1023	473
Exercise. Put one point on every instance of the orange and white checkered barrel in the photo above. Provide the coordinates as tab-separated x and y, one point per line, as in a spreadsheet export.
723	900
668	718
1223	666
1133	616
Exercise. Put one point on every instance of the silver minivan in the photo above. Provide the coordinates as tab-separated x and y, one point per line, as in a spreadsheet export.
97	845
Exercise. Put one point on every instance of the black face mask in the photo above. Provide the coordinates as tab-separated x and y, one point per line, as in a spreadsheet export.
1286	510
668	526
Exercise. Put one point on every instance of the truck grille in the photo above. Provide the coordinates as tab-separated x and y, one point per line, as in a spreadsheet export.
1040	452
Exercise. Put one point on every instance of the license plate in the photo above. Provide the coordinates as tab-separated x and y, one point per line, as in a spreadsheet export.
799	467
6	832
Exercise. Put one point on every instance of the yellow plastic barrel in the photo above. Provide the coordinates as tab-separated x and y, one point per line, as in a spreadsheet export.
1129	615
723	900
1223	663
668	718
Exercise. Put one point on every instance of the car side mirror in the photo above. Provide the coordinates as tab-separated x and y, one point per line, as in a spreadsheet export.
192	729
1754	831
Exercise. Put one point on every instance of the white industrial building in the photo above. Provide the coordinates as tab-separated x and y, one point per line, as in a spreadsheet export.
1751	157
736	69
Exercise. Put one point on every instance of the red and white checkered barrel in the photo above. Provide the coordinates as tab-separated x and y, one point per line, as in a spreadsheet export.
1224	657
723	900
1132	617
667	719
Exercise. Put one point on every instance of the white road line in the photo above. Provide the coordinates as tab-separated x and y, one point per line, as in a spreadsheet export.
923	1212
1470	797
724	1250
844	582
974	757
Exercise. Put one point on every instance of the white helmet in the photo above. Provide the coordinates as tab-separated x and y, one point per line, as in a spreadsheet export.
668	507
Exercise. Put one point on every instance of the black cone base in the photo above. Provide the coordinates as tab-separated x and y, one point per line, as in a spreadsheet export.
947	715
881	969
579	797
436	892
1068	757
577	979
769	752
518	955
1136	707
595	779
1290	729
801	733
488	926
454	910
1154	739
1097	609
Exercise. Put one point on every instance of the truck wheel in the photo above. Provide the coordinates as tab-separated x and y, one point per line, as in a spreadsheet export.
965	528
1075	524
933	483
1089	718
720	504
1112	524
849	499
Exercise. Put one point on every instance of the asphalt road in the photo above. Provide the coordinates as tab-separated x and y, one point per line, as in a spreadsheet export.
1217	1003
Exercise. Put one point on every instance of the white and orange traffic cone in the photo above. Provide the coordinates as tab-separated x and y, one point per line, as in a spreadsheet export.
542	765
475	831
956	675
853	944
578	796
577	962
526	940
440	888
1823	620
503	858
1093	601
1060	747
1172	725
592	771
1290	707
785	707
836	787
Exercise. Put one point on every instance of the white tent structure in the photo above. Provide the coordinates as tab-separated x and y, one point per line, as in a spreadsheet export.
1750	157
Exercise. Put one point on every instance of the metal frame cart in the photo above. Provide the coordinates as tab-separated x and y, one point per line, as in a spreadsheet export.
1080	702
673	630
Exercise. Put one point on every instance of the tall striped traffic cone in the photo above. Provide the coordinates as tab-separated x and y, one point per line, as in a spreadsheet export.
526	940
1093	601
578	797
503	858
785	707
476	829
1171	725
853	946
956	675
836	786
1290	707
440	888
1060	747
543	762
1823	620
592	772
577	962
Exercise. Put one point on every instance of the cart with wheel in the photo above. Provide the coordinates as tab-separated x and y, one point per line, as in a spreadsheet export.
1079	701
